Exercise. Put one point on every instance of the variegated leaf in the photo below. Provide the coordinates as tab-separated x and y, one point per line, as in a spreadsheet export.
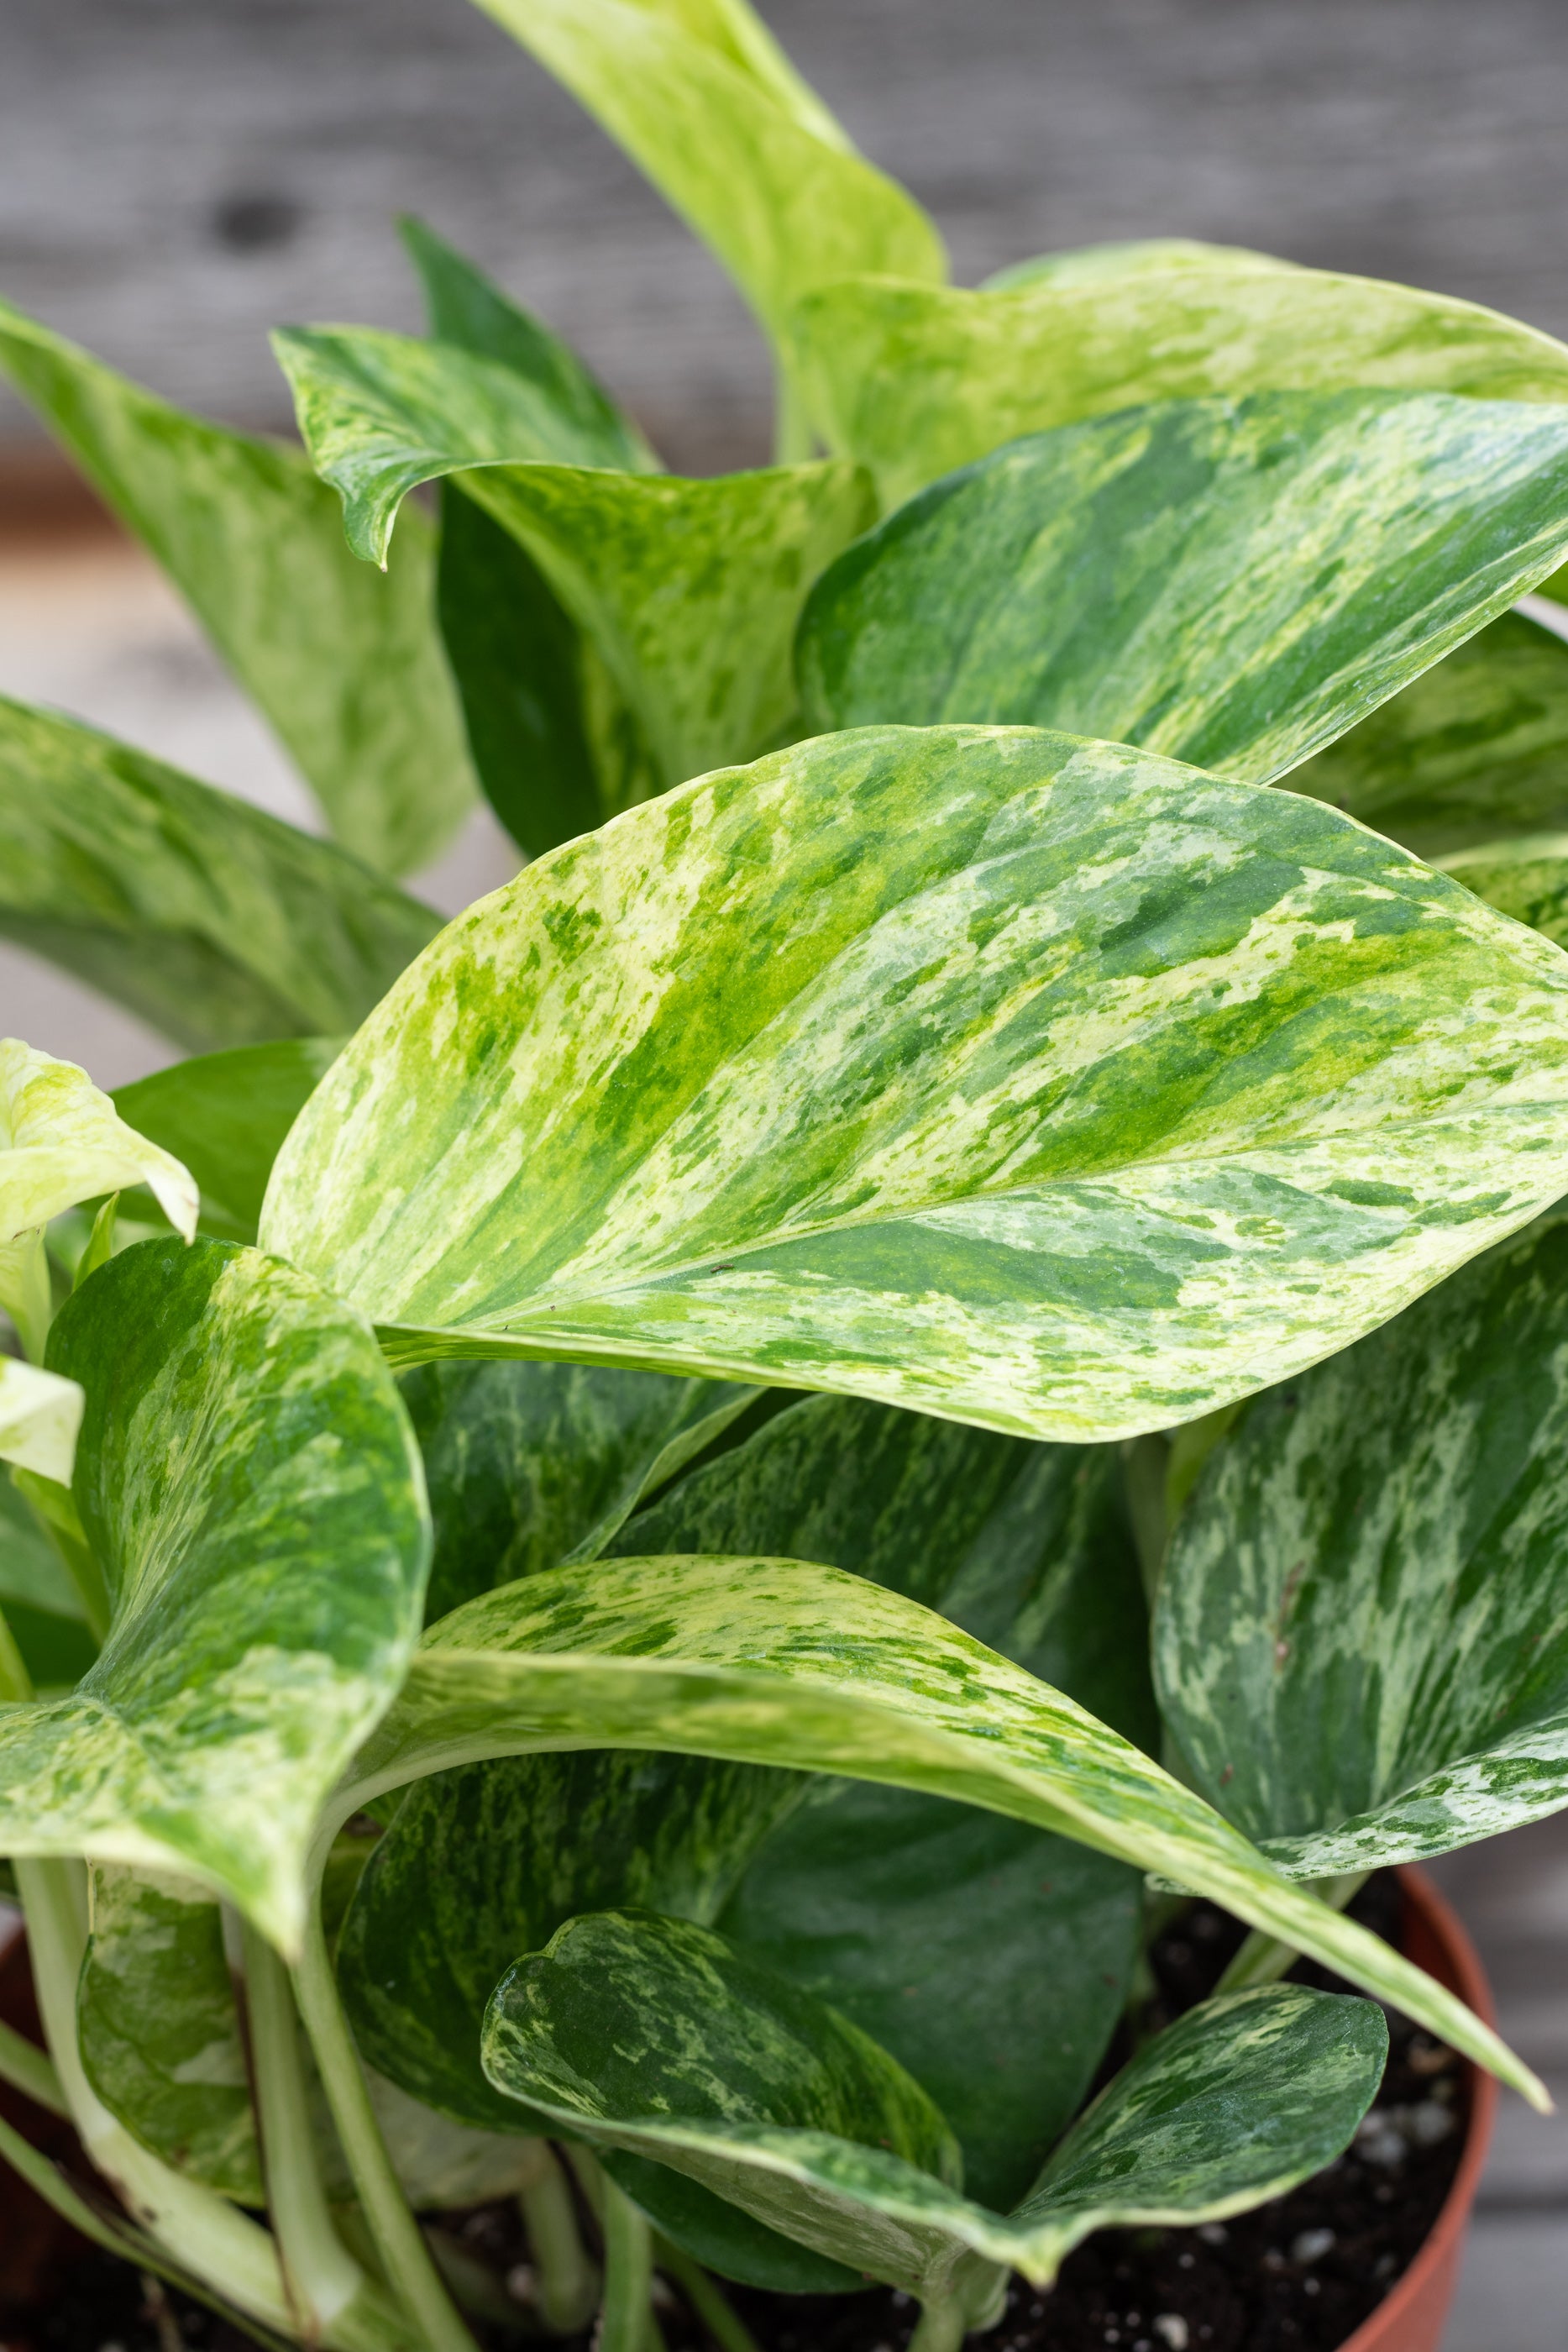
1468	754
251	541
1526	878
914	380
242	1438
1087	1092
690	591
1122	258
551	740
61	1141
702	97
226	1115
529	1464
1361	1639
216	922
39	1417
159	2029
780	1663
1232	583
653	2035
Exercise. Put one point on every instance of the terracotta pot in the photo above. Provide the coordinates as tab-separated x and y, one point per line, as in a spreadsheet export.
1412	2314
1410	2319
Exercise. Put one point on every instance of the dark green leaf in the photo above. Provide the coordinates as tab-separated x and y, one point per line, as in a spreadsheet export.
1229	583
347	669
1087	1092
915	380
216	922
40	1603
530	1464
248	1481
1361	1639
226	1115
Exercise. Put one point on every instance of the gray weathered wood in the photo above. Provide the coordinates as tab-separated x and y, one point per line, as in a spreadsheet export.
176	175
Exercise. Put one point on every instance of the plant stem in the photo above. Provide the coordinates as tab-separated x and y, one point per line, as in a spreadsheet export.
568	2281
28	2069
1263	1960
1144	1463
15	1682
628	2276
322	2277
707	2299
403	2254
55	1507
943	2325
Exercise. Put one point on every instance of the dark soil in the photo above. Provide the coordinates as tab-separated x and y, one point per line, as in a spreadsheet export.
1298	2275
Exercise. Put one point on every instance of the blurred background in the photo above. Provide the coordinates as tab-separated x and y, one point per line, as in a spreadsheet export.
177	175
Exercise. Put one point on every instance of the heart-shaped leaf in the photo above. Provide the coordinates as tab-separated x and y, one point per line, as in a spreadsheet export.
1362	1638
1471	752
780	1663
62	1141
653	2035
216	922
704	101
1231	583
248	1482
545	727
914	380
1089	1091
225	1116
689	590
251	540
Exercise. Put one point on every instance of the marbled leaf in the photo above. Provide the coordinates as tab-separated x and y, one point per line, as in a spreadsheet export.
1122	258
1526	878
781	1663
347	669
1041	1084
703	99
226	1115
914	380
651	2034
1468	754
690	591
248	1482
62	1141
216	922
529	1464
1232	583
159	2031
1361	1639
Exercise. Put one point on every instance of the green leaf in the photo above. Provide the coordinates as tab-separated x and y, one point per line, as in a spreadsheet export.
577	418
530	1464
652	2034
158	2031
1527	878
216	922
1229	583
1119	258
690	591
38	1602
1474	750
1361	1639
702	98
251	541
62	1141
482	1864
1087	1092
226	1115
248	1481
914	380
550	765
780	1663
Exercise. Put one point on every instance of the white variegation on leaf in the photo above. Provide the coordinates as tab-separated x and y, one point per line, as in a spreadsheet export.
39	1417
1089	1092
61	1141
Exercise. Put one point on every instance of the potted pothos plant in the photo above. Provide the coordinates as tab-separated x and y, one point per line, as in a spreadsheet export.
655	1536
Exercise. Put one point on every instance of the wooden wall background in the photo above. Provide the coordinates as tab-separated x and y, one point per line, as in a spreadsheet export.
177	175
